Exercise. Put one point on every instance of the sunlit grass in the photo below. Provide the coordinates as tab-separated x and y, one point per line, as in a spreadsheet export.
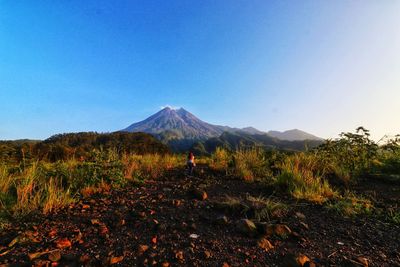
351	205
301	176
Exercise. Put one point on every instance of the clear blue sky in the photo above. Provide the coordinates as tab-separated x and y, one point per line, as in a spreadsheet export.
320	66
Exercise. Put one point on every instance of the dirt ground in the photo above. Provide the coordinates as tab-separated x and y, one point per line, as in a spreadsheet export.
170	222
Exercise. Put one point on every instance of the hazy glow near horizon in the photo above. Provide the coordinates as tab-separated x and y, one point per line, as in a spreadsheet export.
321	66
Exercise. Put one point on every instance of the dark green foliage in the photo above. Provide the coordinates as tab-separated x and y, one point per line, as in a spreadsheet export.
356	154
79	145
18	150
233	140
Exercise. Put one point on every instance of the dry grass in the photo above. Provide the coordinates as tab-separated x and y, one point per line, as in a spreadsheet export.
301	174
220	160
250	164
258	208
56	196
6	180
350	205
102	188
150	166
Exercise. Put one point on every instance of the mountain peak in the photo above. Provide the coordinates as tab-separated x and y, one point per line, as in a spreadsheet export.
178	126
179	123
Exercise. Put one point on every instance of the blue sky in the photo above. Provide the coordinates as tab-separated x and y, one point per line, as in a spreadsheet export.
320	66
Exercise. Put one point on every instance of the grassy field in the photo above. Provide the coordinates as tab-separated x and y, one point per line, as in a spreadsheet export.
321	175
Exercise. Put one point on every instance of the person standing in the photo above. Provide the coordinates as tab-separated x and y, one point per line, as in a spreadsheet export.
190	163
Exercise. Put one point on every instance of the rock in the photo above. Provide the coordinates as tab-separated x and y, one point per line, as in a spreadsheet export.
304	225
300	216
246	227
55	256
199	194
265	244
363	261
225	264
222	220
280	230
192	226
179	255
63	243
290	260
41	263
207	254
84	259
165	264
176	202
114	260
142	249
302	259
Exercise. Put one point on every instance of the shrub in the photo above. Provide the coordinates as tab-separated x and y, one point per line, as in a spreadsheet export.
220	160
250	164
301	175
150	166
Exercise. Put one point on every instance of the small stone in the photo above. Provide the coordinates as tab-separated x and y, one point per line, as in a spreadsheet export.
300	215
176	202
265	244
302	259
165	264
194	236
193	226
246	227
363	261
225	264
142	249
304	225
221	220
280	230
84	258
55	256
179	255
200	194
207	254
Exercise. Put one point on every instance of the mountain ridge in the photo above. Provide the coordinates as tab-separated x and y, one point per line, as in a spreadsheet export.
180	129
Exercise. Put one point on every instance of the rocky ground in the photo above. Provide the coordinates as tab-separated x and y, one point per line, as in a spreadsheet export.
181	221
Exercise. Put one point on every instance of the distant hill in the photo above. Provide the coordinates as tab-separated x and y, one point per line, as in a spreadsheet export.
233	140
293	135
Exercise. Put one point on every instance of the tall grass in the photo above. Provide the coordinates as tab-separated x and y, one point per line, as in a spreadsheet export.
302	176
150	166
250	164
47	187
220	160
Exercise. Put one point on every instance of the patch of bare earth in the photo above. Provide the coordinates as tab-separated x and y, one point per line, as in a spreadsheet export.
177	221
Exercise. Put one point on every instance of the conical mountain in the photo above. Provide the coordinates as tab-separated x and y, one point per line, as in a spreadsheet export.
180	129
177	124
